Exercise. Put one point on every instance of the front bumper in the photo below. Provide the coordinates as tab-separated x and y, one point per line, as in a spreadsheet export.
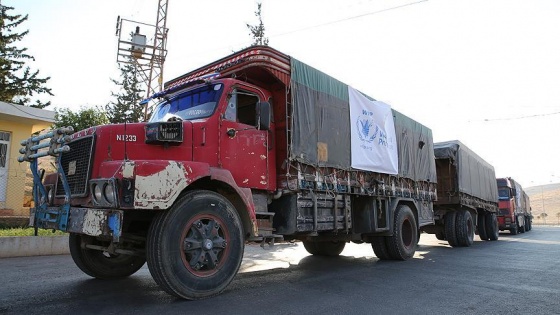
88	221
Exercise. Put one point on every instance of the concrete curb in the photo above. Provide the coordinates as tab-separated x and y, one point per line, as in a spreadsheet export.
19	246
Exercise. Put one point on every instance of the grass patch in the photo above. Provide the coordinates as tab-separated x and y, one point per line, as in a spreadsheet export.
28	232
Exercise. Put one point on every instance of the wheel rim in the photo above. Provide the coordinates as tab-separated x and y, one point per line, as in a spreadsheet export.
204	245
407	233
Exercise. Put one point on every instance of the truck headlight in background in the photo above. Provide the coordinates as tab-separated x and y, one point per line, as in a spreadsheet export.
104	192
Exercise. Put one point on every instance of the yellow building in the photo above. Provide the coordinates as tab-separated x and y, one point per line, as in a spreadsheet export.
17	123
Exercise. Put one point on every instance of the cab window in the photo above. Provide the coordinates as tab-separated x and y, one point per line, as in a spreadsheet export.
242	107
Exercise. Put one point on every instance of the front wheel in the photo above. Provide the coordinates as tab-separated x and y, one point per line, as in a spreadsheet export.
492	226
100	264
450	228
464	228
481	226
402	244
195	248
328	248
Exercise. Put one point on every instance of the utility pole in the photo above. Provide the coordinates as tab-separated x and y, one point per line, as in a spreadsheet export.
148	56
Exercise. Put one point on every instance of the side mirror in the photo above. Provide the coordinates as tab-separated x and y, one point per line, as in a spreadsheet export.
264	115
513	192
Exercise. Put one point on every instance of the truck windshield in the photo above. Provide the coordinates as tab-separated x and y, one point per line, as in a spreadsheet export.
189	105
503	193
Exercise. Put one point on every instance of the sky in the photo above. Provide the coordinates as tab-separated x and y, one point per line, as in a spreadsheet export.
486	73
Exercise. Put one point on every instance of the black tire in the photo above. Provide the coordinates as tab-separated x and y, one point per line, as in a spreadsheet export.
450	231
492	228
195	248
379	245
100	264
440	235
522	228
328	248
402	244
514	229
464	227
529	224
481	226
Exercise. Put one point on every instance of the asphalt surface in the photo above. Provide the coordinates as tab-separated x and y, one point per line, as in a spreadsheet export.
517	274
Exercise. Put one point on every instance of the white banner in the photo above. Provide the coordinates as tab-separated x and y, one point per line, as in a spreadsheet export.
373	139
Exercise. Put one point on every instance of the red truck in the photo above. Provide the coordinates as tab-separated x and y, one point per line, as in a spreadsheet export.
515	207
256	146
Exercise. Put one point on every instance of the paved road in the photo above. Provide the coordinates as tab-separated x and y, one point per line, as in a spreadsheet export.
517	274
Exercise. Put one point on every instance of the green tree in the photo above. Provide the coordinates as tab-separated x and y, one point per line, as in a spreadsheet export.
126	105
82	119
257	31
18	83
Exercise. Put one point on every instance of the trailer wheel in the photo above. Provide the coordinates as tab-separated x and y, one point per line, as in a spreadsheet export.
440	235
464	228
481	226
195	248
100	264
329	248
492	226
529	224
402	244
522	228
450	231
379	245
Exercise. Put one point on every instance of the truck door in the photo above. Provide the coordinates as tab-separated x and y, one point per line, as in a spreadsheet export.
244	148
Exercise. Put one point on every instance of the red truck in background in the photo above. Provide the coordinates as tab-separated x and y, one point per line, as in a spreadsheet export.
515	207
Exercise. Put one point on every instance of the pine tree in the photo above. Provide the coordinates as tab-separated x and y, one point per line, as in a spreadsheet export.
126	107
257	31
18	83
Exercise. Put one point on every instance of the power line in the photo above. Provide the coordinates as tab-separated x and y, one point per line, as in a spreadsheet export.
523	117
320	25
348	18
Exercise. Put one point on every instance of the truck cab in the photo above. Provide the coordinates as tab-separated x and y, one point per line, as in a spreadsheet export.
511	216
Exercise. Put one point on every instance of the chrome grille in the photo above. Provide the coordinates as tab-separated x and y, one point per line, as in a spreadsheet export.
76	165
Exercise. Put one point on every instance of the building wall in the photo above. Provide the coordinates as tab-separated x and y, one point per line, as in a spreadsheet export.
17	171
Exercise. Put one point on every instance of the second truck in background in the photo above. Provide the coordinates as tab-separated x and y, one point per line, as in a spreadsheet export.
467	196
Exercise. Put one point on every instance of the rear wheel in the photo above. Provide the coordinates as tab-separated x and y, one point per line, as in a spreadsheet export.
195	248
464	228
522	227
440	235
482	233
402	244
492	228
379	245
450	231
328	248
100	264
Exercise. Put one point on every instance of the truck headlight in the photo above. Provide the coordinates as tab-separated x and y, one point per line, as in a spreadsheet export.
97	192
104	192
50	195
109	192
